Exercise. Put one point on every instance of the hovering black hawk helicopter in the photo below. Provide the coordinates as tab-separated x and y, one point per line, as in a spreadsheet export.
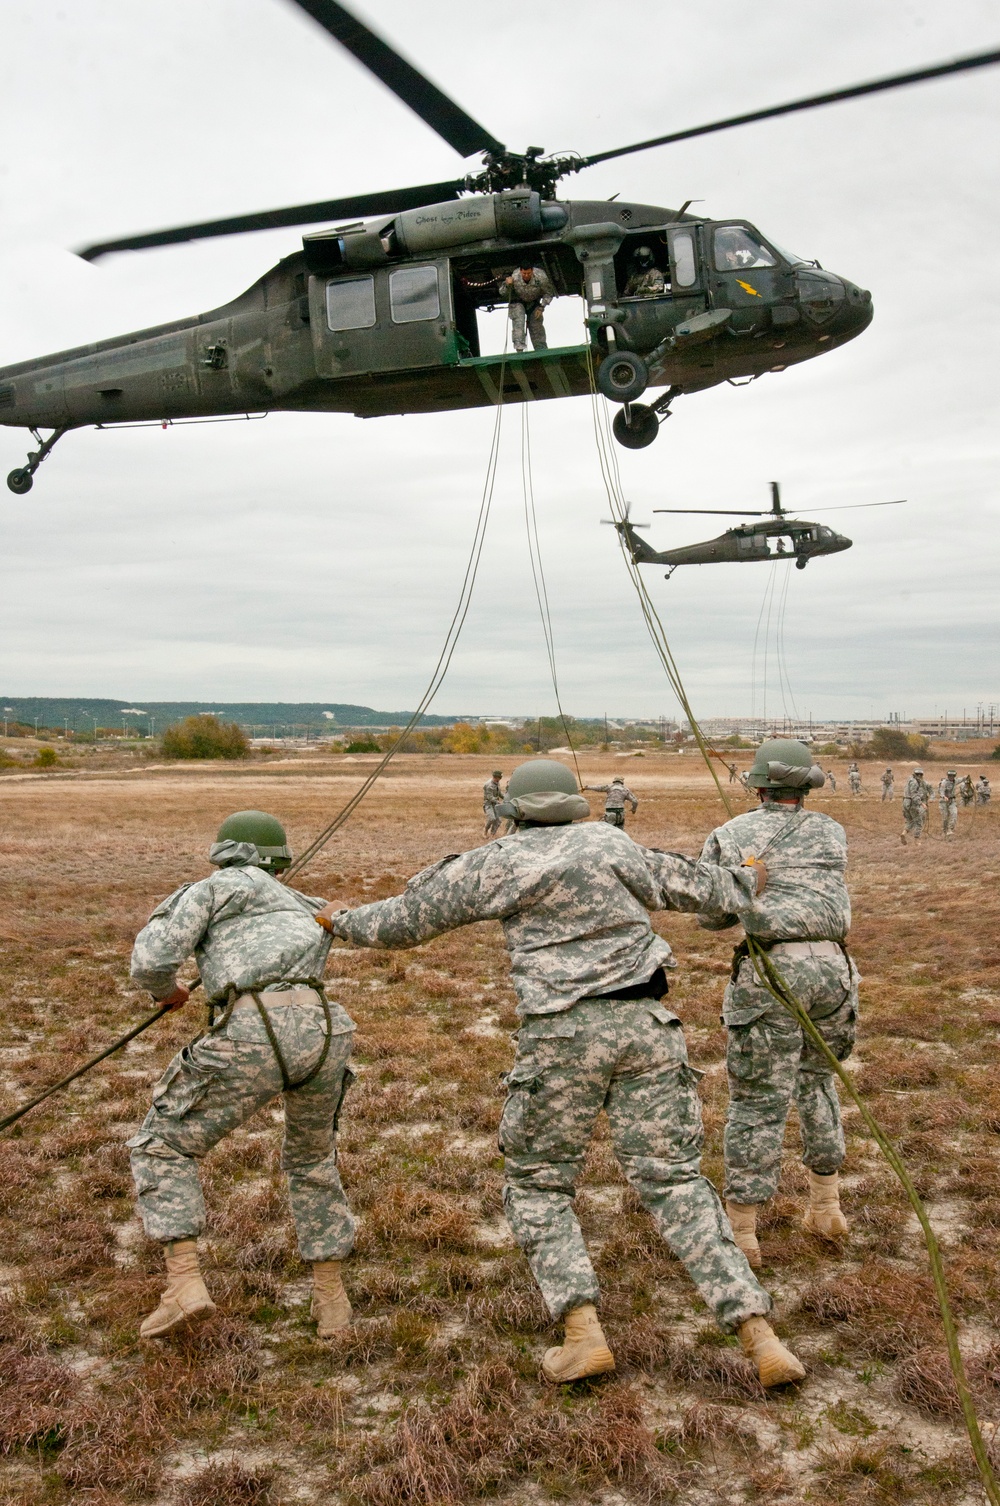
379	315
747	542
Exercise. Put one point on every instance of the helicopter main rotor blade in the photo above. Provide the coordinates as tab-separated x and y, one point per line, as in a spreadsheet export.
849	506
811	102
435	109
718	512
359	205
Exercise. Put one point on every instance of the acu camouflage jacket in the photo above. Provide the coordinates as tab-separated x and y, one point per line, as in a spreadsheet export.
243	928
573	901
805	854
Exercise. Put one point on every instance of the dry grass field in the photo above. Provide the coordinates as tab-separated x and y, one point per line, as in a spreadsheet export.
434	1396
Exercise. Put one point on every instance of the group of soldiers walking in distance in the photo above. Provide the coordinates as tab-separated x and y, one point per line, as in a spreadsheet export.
917	795
574	898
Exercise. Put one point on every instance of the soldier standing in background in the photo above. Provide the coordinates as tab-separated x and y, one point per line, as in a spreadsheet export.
530	292
948	803
801	919
983	791
967	790
616	793
888	787
261	957
854	779
916	794
832	780
732	773
492	796
588	970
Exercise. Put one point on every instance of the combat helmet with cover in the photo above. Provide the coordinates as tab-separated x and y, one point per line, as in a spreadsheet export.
785	764
257	829
543	792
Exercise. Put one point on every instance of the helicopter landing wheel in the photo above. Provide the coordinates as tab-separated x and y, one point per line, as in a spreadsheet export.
623	376
801	564
636	426
20	481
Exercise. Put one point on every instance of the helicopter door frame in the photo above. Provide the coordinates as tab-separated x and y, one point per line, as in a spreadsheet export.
383	320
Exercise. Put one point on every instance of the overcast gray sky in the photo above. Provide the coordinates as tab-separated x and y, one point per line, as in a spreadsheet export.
316	556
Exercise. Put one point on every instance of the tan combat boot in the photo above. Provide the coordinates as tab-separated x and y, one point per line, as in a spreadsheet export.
823	1216
743	1218
585	1349
776	1365
330	1306
185	1299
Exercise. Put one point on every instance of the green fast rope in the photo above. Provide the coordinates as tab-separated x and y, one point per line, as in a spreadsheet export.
538	576
444	659
779	989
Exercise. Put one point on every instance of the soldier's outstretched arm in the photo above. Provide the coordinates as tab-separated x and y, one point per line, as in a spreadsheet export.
706	888
169	937
455	892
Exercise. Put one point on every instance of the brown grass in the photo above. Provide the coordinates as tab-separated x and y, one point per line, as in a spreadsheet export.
434	1395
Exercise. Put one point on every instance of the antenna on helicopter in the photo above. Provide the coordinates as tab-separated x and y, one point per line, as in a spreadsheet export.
613	522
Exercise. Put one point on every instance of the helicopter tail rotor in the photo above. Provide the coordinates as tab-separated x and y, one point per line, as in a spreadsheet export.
614	522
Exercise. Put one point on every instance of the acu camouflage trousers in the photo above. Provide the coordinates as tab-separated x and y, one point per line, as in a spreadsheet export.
216	1084
771	1062
949	816
629	1058
528	319
915	817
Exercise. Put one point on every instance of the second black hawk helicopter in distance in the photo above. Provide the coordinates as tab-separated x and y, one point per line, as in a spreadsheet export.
747	542
379	315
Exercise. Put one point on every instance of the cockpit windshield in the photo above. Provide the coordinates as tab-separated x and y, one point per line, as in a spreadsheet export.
737	250
792	258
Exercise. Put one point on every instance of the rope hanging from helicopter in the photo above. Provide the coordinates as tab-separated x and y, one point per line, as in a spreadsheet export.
538	576
768	646
770	976
445	657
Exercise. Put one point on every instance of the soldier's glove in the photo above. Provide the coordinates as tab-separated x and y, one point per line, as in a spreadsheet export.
759	870
325	916
177	999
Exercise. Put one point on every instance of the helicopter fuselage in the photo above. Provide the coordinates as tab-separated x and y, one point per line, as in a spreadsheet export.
764	541
381	318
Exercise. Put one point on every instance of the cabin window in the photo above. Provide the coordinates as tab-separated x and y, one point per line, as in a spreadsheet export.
350	303
413	294
737	250
685	263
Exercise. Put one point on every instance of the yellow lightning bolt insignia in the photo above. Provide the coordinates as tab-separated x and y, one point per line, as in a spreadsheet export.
747	288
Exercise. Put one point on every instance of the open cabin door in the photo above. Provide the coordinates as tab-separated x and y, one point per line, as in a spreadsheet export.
390	319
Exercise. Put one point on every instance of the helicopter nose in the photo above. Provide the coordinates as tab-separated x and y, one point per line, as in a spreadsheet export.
859	310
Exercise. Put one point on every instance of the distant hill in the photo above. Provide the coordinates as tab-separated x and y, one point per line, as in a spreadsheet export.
80	714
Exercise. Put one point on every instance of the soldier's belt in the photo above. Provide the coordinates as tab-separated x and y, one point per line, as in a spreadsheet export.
823	946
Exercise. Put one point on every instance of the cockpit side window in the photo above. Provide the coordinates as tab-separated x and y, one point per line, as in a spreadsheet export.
736	250
684	259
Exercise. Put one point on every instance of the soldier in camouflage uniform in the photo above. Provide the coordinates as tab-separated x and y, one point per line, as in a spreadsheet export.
802	920
967	790
588	969
983	790
916	794
530	292
616	793
948	803
261	956
854	779
831	780
492	796
888	785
